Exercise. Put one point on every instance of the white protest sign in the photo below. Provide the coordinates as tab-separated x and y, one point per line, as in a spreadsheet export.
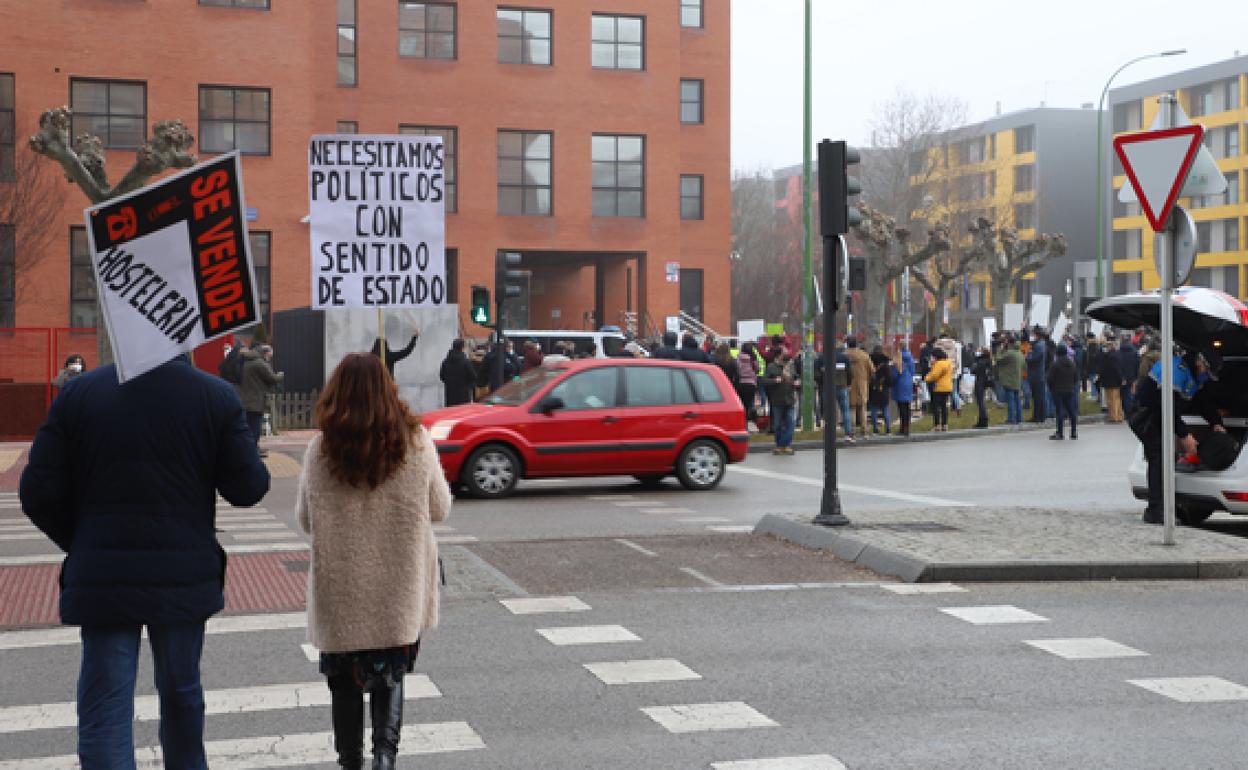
990	328
1012	316
1097	327
751	330
1038	313
672	324
378	228
1059	326
172	265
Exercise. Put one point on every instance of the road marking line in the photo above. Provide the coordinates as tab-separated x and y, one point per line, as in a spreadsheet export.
1194	689
443	528
311	653
456	539
699	576
565	636
642	671
17	525
534	605
732	528
275	536
228	518
609	498
902	496
239	700
231	526
297	545
228	624
632	504
993	615
665	511
696	717
908	589
11	535
807	762
12	505
704	520
296	750
635	547
1092	648
222	507
8	458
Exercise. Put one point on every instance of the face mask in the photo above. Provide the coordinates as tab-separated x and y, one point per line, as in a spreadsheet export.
75	367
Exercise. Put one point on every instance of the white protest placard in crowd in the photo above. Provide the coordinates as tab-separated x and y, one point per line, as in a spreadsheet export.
378	227
1012	316
172	265
751	330
990	328
1038	313
1060	325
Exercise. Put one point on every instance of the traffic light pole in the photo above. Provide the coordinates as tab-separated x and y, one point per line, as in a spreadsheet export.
830	514
498	368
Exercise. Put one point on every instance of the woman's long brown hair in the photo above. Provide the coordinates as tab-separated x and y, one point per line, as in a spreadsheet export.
366	428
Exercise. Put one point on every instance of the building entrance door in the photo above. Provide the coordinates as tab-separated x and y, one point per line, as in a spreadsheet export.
691	292
516	309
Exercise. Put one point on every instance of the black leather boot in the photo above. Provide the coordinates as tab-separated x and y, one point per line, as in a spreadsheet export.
386	706
347	713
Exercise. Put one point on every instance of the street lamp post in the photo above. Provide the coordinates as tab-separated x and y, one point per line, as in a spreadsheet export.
1101	272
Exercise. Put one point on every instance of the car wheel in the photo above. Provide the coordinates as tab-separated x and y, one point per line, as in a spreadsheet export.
701	465
650	480
491	472
1192	516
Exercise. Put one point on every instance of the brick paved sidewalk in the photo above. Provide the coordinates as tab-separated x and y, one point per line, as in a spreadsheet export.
983	544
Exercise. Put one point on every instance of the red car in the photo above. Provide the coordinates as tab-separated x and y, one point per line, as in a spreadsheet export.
598	417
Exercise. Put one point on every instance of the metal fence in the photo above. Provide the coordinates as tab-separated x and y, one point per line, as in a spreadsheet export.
293	411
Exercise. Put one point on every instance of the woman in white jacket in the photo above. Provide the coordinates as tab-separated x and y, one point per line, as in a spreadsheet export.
370	490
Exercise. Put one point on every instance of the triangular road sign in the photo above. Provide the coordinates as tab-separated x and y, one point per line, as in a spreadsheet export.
1157	163
1203	179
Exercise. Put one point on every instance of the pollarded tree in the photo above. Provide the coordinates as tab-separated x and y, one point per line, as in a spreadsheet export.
1009	259
889	251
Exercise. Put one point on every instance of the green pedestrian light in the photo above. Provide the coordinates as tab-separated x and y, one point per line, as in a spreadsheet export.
480	305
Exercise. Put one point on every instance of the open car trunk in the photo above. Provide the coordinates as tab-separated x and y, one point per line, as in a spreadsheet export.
1206	320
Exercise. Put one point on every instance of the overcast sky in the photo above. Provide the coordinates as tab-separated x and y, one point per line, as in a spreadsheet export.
1017	54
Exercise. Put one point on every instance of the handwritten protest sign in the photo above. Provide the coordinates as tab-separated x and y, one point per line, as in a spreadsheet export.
172	265
377	221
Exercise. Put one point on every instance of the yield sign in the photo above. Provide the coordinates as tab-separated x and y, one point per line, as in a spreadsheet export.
1157	163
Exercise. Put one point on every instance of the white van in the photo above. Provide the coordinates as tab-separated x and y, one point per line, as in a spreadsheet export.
608	344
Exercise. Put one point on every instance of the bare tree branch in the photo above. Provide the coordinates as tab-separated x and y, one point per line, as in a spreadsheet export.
27	205
83	160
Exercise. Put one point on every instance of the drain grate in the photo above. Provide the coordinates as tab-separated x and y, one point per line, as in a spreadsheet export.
911	526
296	565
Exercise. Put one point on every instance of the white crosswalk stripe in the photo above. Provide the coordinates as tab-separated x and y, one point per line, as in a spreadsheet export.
228	624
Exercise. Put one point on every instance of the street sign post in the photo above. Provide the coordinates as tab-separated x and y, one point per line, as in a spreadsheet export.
1157	164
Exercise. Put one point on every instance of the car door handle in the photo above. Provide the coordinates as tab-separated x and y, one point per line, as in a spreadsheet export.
690	415
608	420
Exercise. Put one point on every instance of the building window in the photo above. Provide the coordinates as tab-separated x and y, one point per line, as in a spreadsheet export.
347	62
261	242
1024	178
691	13
259	4
1127	244
1204	237
992	146
691	196
1231	196
524	173
427	30
113	110
347	127
1025	139
691	101
523	36
8	128
1230	236
1200	100
234	119
8	276
450	159
1231	93
1025	216
1128	116
82	305
619	175
618	42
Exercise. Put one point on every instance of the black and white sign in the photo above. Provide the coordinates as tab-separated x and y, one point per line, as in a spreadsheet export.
378	225
172	265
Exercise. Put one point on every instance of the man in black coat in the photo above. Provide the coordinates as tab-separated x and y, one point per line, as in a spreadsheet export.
124	478
689	351
457	375
668	348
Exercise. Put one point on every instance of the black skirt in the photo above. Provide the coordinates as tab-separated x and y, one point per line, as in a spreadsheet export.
369	668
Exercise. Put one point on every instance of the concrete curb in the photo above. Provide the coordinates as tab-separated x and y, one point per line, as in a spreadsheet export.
842	544
916	438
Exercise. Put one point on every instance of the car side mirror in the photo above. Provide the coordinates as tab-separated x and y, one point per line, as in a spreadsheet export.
548	405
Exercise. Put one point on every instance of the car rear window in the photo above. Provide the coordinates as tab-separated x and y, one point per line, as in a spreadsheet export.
704	385
655	386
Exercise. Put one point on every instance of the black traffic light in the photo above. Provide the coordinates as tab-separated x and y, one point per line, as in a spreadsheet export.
481	305
857	278
507	279
836	186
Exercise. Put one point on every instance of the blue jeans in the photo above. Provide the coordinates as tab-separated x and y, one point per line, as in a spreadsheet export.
1013	409
1067	406
110	658
842	407
784	417
881	411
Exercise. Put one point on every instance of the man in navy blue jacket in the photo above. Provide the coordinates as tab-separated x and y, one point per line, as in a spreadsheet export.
124	478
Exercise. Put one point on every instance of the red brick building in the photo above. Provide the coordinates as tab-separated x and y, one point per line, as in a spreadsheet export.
591	138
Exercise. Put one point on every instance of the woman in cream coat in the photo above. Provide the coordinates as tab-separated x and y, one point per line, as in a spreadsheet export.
370	490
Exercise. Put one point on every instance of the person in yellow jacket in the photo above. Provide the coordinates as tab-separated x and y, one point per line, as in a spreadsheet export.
941	377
